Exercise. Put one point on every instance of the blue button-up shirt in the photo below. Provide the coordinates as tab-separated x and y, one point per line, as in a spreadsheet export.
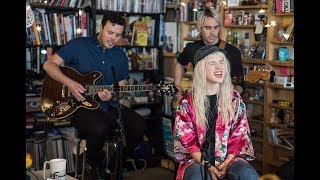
85	55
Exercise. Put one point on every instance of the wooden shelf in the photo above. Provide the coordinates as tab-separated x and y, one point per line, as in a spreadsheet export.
278	86
281	147
172	6
248	7
253	61
282	14
281	63
254	120
239	26
274	163
255	84
253	102
190	22
166	54
259	139
282	107
276	125
282	42
191	39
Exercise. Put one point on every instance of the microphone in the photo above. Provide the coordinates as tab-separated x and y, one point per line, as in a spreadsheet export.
115	83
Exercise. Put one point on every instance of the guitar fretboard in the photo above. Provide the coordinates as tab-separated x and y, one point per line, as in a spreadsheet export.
91	90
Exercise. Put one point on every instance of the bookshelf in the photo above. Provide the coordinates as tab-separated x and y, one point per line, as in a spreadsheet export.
59	21
244	20
280	96
270	105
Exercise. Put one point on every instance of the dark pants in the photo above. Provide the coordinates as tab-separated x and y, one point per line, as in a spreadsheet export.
98	126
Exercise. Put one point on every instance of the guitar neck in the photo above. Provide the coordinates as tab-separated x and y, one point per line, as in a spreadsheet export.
91	90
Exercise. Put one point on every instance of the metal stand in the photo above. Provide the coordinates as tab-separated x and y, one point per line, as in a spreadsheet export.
120	134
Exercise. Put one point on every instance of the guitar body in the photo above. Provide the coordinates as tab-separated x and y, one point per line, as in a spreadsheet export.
56	100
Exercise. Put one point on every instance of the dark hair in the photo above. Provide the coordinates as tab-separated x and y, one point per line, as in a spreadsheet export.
113	17
207	12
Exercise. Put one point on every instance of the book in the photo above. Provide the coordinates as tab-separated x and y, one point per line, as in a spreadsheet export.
161	31
287	139
170	37
142	28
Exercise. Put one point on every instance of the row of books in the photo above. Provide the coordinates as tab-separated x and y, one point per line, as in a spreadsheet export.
281	6
135	6
35	59
58	3
56	28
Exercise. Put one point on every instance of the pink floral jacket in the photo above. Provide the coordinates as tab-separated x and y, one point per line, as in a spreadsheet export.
231	138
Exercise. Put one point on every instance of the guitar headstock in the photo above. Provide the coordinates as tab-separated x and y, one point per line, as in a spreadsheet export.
164	88
258	73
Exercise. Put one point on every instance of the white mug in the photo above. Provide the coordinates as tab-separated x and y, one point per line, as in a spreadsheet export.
57	168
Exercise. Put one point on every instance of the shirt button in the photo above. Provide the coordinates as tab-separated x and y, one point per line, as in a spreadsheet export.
102	62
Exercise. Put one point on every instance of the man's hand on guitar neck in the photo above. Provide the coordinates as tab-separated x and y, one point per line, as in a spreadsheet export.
76	89
105	95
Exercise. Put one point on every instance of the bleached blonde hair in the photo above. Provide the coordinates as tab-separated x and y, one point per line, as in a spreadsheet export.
199	94
208	12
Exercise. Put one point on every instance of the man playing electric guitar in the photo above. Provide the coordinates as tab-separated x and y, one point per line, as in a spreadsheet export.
97	53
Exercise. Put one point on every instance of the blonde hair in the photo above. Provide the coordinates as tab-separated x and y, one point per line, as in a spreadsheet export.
199	94
208	12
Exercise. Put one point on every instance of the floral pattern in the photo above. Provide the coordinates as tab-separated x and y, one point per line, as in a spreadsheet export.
232	137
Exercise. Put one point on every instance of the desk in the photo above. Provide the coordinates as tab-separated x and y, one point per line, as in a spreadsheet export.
39	175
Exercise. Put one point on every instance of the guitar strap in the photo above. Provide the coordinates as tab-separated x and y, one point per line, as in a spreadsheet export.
209	143
222	44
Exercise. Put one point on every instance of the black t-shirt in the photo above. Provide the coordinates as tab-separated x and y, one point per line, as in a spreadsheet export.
232	53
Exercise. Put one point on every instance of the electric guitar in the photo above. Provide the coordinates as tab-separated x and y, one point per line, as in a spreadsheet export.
258	73
58	103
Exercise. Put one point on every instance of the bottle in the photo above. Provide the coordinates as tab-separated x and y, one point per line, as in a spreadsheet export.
235	39
273	115
229	37
287	117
